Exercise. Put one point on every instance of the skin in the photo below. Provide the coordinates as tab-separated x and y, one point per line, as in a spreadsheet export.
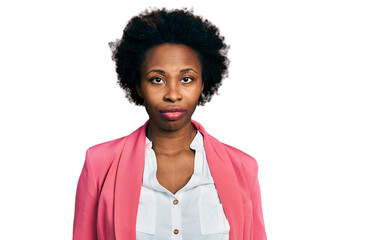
171	76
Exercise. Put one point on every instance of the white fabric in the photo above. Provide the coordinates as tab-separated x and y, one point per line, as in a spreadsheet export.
198	215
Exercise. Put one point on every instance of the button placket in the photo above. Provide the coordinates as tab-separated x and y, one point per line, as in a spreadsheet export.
176	217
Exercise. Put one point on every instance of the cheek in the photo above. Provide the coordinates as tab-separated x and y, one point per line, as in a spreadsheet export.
148	108
146	92
151	98
151	101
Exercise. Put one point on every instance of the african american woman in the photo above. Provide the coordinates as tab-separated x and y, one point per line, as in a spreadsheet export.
169	179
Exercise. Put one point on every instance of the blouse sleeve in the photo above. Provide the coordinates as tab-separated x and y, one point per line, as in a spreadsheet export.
84	226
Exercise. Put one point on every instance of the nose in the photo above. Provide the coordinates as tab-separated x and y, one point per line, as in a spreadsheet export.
172	93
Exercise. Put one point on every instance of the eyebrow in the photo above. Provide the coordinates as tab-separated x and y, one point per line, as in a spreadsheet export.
162	72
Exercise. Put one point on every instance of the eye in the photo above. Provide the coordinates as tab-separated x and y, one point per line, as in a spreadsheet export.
156	80
187	79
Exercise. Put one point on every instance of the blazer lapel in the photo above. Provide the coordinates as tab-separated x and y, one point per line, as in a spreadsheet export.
226	183
129	178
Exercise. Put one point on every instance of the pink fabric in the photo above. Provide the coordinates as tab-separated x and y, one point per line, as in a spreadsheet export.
108	190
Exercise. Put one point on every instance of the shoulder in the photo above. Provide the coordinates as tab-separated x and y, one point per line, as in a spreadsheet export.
241	160
243	163
243	157
107	147
248	163
101	155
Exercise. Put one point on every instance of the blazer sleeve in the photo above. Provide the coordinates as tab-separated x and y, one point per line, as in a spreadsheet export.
258	230
84	226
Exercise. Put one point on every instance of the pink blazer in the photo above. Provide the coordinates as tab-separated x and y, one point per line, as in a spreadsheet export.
108	190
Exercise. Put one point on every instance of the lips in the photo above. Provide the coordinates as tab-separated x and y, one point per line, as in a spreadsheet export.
172	113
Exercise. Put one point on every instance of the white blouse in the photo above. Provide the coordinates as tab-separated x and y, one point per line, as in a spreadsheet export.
193	213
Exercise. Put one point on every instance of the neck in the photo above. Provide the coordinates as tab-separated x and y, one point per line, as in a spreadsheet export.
170	142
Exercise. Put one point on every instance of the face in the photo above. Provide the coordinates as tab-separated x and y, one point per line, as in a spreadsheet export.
170	84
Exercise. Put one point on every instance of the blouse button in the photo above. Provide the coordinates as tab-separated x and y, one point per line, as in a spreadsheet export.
176	231
175	202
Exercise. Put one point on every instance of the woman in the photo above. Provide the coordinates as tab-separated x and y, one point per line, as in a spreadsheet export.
169	179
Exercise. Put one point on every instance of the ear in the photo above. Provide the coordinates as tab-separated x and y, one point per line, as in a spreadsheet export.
201	90
138	90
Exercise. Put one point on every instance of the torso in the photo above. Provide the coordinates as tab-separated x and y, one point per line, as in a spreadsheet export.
174	171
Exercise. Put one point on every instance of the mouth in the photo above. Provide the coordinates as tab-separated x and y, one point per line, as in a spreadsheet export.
172	113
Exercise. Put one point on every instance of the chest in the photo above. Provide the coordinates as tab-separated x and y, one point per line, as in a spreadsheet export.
174	171
188	207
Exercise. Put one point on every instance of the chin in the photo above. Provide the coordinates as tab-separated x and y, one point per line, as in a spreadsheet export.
173	125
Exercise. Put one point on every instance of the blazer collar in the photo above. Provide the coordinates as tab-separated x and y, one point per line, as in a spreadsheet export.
129	179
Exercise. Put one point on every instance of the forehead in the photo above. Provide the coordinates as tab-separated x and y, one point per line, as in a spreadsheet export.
171	56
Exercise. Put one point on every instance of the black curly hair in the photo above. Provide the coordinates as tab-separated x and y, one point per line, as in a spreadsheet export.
178	26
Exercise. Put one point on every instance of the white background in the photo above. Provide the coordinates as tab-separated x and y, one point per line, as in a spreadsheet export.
301	98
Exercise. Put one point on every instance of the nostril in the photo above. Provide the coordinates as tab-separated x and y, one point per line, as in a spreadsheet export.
172	96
